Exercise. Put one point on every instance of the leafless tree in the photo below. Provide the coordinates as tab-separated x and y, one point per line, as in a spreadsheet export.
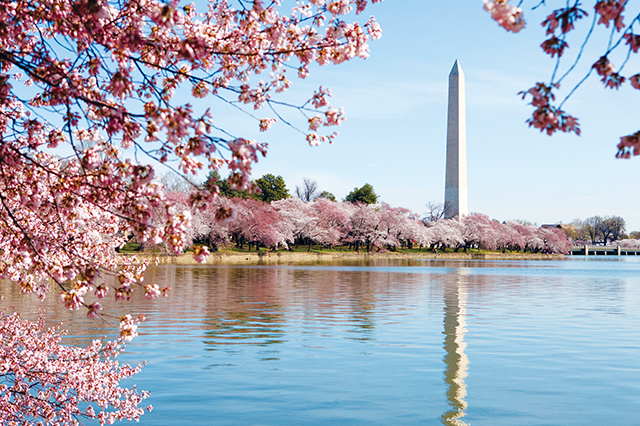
173	182
592	227
435	212
612	228
598	229
309	190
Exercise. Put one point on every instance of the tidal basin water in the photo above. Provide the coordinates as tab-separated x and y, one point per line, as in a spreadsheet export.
411	342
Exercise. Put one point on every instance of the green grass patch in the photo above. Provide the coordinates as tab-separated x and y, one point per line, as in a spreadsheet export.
130	247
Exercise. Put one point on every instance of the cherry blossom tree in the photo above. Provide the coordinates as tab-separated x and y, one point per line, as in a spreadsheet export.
319	222
480	230
282	223
391	224
363	225
43	382
256	223
89	109
471	232
399	227
554	240
448	233
295	219
179	202
531	237
420	234
609	65
508	238
332	221
215	222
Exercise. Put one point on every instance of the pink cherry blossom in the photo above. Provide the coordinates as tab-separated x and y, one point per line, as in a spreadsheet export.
547	117
314	139
266	123
564	19
611	10
613	80
334	117
94	310
152	291
201	253
554	46
226	215
315	123
603	67
629	144
633	40
129	327
101	291
47	383
508	16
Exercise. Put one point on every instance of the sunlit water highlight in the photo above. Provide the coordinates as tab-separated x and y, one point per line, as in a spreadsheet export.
385	343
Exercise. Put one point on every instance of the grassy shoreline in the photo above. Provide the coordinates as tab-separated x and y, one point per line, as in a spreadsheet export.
286	257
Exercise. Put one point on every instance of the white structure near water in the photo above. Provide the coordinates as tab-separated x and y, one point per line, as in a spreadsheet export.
455	190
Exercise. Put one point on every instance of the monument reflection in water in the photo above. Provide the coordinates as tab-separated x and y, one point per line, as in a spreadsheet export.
456	361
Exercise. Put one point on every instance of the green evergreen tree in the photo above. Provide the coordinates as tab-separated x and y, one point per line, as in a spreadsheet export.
327	194
273	188
225	187
365	194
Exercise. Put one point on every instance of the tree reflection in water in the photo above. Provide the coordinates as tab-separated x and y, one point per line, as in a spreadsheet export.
362	344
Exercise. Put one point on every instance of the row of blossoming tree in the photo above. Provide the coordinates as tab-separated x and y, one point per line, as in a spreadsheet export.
284	223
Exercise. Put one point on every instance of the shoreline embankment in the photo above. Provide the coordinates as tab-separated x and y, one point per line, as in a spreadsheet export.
284	257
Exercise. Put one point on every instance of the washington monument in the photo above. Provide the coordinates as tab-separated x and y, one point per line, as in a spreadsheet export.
455	190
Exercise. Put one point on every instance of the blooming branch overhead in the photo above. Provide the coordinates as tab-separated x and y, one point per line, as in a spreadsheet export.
93	92
559	24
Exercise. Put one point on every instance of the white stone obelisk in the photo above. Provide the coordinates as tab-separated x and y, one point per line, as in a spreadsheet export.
455	190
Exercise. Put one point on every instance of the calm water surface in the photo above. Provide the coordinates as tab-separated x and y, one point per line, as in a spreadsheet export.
385	343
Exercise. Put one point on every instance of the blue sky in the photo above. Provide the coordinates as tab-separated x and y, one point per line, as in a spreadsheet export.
395	133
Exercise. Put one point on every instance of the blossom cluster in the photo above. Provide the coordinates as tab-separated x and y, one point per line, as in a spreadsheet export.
62	222
47	383
508	16
547	117
628	145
